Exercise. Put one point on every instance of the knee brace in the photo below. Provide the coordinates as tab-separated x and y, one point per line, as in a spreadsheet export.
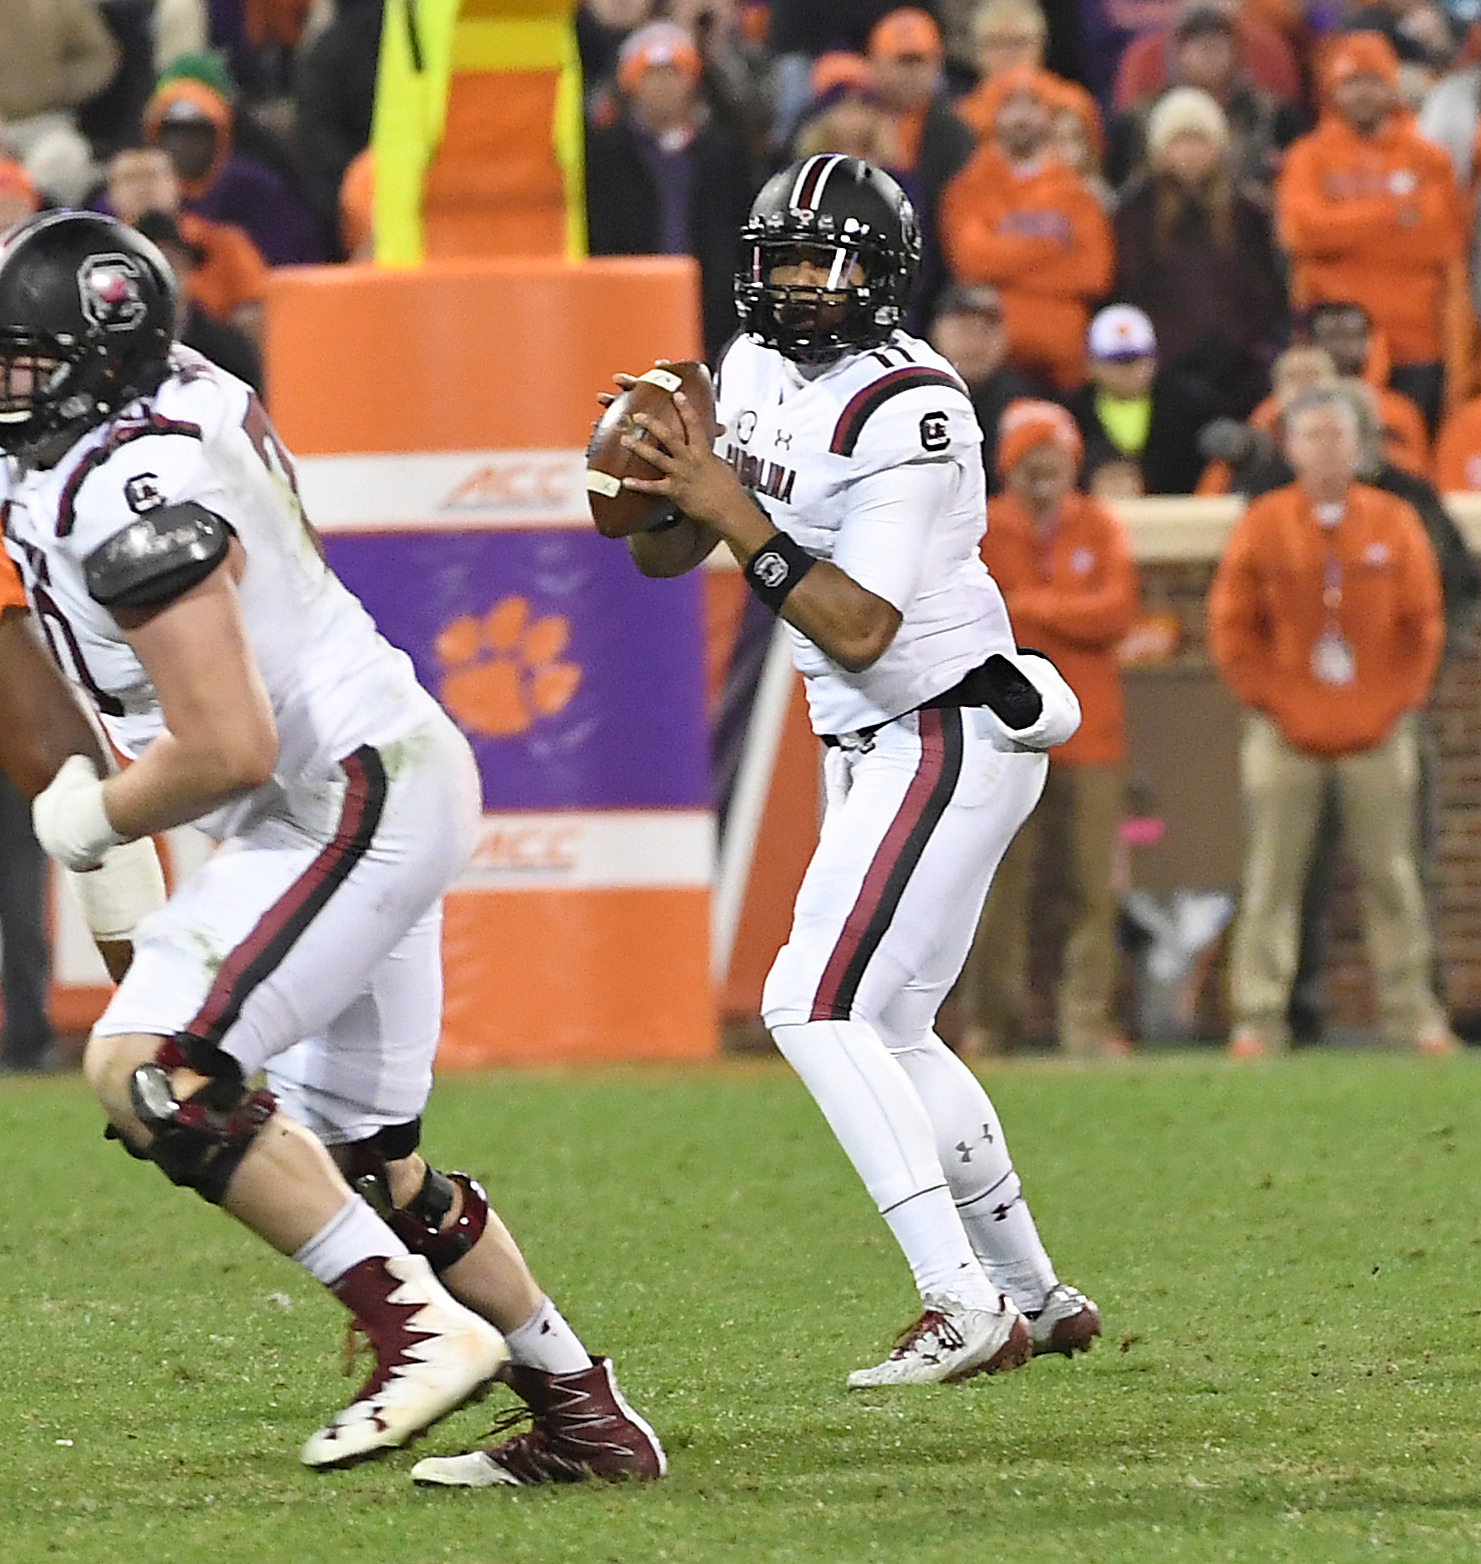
418	1224
198	1143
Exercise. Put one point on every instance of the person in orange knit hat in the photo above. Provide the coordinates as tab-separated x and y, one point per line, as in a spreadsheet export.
1325	619
1370	212
1066	574
1017	217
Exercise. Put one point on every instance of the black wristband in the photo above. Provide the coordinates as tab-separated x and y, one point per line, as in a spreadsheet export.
776	567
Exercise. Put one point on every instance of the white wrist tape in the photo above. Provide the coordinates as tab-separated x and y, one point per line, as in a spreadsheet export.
70	820
1057	721
122	891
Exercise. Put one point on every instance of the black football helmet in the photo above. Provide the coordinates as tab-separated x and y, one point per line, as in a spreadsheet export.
838	212
87	316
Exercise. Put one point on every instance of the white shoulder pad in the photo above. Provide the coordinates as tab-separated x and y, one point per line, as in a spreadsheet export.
144	461
915	413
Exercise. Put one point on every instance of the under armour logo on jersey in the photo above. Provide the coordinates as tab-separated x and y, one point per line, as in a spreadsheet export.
783	439
110	292
770	568
968	1147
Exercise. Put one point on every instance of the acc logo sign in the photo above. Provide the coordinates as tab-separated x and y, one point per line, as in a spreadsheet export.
110	292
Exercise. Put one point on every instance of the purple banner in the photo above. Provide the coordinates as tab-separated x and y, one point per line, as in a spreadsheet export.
578	681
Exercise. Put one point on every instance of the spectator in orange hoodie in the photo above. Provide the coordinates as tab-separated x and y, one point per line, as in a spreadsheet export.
193	122
1018	218
1013	33
1067	576
1370	212
1325	620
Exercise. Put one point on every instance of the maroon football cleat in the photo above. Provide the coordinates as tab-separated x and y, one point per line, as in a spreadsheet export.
431	1356
1068	1322
582	1427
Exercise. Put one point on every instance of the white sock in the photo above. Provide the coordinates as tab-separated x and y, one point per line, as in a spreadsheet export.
880	1122
974	1154
547	1343
354	1233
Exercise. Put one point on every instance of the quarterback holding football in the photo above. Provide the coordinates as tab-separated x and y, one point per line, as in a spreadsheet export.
847	481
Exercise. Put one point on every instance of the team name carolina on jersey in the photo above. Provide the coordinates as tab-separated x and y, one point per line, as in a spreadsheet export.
761	476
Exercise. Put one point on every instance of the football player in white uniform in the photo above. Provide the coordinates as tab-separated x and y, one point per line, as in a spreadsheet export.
154	517
847	481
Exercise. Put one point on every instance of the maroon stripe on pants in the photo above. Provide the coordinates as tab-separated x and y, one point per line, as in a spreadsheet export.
276	931
868	906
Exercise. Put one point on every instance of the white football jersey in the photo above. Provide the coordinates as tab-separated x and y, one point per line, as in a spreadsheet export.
333	681
804	445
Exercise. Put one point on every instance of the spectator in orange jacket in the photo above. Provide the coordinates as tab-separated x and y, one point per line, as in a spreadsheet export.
1325	620
1066	573
1370	212
1018	218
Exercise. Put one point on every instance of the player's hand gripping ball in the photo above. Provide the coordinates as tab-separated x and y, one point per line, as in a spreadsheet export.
618	511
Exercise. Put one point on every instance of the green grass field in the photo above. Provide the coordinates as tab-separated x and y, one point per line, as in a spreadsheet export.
1288	1259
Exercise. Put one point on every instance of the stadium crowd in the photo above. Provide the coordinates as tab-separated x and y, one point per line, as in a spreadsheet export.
1225	166
1165	223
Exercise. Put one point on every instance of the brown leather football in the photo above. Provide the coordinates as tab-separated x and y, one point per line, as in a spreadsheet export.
617	511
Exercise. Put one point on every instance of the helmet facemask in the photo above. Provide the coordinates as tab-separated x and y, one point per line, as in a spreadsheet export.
854	303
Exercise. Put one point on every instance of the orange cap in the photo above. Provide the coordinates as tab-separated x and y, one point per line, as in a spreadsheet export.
1029	423
1020	78
906	32
16	182
659	43
1360	54
839	69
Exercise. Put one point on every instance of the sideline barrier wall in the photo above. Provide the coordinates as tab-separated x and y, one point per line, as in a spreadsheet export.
438	419
1159	529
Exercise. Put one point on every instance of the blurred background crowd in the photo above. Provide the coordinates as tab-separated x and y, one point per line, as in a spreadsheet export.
1153	229
1228	167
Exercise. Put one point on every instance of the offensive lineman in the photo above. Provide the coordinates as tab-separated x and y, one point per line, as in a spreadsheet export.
847	481
153	516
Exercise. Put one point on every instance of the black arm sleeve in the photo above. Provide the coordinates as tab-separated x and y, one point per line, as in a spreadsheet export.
156	558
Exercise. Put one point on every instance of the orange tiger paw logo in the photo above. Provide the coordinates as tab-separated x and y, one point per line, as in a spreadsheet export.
504	670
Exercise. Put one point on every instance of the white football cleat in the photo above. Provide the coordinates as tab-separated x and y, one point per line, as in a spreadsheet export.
1068	1322
432	1356
949	1343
